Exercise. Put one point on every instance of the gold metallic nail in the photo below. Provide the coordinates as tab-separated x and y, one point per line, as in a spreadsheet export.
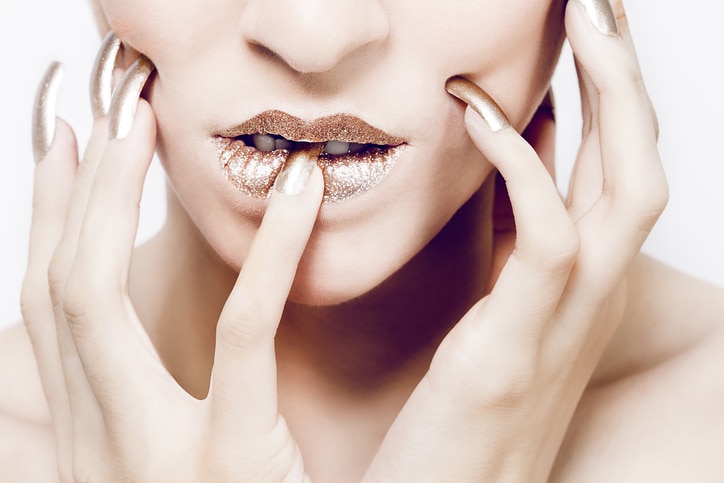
297	169
44	111
479	101
125	100
101	83
602	16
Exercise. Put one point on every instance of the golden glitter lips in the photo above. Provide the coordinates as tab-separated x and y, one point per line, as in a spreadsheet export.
356	156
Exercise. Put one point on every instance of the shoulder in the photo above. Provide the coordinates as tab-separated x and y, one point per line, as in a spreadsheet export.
26	438
659	416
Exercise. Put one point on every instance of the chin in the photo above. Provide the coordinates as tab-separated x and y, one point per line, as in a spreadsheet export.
331	276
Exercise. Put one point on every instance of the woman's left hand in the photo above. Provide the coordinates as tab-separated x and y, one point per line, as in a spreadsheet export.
504	384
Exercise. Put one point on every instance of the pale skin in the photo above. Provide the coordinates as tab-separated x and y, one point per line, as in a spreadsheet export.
546	349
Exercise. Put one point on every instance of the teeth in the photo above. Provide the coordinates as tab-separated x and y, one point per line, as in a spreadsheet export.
269	142
336	147
264	142
356	148
282	143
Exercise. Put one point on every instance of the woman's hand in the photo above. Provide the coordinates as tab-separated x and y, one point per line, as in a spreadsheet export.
118	415
503	386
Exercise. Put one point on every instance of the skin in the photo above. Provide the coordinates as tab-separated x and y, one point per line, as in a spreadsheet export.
348	391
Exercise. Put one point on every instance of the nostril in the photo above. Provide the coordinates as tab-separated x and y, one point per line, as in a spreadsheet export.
315	35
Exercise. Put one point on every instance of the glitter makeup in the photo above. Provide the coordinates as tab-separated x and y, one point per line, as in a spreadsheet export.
253	171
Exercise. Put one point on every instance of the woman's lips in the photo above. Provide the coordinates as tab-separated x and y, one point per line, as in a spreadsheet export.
253	171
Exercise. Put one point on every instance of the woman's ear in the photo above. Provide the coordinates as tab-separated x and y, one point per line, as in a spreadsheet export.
100	17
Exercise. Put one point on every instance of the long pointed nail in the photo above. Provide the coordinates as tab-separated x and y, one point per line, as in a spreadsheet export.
101	83
43	131
125	100
602	16
479	101
297	169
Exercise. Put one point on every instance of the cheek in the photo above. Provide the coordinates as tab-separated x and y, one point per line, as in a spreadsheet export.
508	47
161	29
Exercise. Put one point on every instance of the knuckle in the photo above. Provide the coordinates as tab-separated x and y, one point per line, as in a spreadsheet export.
239	334
79	298
559	251
646	203
503	378
57	273
242	329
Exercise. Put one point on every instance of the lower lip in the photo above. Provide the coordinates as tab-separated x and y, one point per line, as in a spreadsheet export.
253	172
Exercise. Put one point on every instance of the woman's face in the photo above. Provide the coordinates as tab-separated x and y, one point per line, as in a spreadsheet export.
221	63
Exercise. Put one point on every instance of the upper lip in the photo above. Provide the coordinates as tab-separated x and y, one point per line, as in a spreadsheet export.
337	127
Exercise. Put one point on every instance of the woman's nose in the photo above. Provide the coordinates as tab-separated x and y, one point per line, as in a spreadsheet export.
313	36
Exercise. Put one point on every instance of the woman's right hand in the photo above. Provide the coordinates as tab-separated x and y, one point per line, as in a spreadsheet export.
118	415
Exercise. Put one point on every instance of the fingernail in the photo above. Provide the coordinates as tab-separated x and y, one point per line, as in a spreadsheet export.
101	83
125	100
479	101
602	16
43	131
297	169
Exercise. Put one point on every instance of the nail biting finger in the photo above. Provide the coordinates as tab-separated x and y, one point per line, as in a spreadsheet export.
297	169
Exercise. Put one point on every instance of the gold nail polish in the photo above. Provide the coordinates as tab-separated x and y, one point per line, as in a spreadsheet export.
602	16
125	100
479	101
297	169
101	83
43	131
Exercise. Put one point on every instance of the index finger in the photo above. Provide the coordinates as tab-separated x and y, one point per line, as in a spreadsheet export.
634	188
244	374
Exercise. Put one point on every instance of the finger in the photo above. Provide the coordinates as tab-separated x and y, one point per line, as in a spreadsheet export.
243	390
53	184
56	158
94	302
634	188
587	178
540	134
546	240
83	406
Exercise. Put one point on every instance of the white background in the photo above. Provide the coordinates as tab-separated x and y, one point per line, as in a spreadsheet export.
680	47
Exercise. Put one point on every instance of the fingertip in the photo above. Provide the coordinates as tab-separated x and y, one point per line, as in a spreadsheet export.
141	139
144	124
64	149
301	206
315	187
488	141
145	118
